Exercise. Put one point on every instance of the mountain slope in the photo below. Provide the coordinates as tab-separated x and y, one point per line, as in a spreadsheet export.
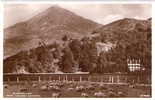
132	39
48	26
125	31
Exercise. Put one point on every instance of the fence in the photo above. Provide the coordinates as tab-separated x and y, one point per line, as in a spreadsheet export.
106	78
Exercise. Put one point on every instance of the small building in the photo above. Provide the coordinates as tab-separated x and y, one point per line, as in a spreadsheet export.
103	47
134	64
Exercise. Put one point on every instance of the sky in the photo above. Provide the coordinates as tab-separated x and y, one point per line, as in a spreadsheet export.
100	13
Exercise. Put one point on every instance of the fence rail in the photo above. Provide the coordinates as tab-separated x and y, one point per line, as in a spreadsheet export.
106	78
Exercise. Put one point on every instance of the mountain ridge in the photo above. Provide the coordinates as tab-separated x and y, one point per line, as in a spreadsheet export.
49	25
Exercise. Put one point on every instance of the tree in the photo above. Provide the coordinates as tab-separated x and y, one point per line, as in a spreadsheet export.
67	61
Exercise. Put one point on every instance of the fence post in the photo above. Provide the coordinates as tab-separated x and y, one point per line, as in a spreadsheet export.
118	79
80	79
72	79
66	79
89	78
8	80
59	78
63	79
17	80
39	79
112	79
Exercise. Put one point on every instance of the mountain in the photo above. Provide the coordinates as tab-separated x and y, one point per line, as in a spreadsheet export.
131	39
125	31
47	26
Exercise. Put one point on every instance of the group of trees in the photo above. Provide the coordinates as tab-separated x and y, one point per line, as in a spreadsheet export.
82	55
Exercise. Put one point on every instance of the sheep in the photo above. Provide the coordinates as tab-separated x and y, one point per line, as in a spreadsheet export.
60	84
55	88
131	86
84	94
56	95
121	94
70	89
90	87
99	94
79	88
102	86
112	94
34	85
44	87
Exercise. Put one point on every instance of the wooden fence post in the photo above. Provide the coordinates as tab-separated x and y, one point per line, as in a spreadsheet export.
39	79
17	79
80	79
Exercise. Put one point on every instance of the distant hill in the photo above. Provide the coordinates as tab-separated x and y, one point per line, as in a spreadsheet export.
48	26
125	29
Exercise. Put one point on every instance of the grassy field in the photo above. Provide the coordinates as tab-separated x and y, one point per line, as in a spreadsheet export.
74	89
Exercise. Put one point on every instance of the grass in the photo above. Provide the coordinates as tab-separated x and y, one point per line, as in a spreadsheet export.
28	89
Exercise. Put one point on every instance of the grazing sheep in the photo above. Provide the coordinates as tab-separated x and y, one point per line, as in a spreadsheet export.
84	94
60	84
43	88
34	85
55	95
112	94
52	84
102	86
70	89
90	87
99	94
55	88
131	86
79	88
121	94
72	85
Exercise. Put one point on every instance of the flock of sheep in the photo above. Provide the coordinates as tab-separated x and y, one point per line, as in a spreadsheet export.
81	89
84	89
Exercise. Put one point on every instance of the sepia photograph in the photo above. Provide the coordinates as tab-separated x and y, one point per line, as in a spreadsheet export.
90	50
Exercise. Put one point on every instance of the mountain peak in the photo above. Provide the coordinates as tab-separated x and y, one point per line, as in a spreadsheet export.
55	7
49	25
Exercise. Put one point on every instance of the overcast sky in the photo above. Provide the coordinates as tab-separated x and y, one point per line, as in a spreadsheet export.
101	13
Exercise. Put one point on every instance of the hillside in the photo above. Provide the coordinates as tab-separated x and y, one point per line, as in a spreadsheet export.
128	39
47	26
132	38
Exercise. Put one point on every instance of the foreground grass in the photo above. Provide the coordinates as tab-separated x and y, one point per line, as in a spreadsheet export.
70	89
